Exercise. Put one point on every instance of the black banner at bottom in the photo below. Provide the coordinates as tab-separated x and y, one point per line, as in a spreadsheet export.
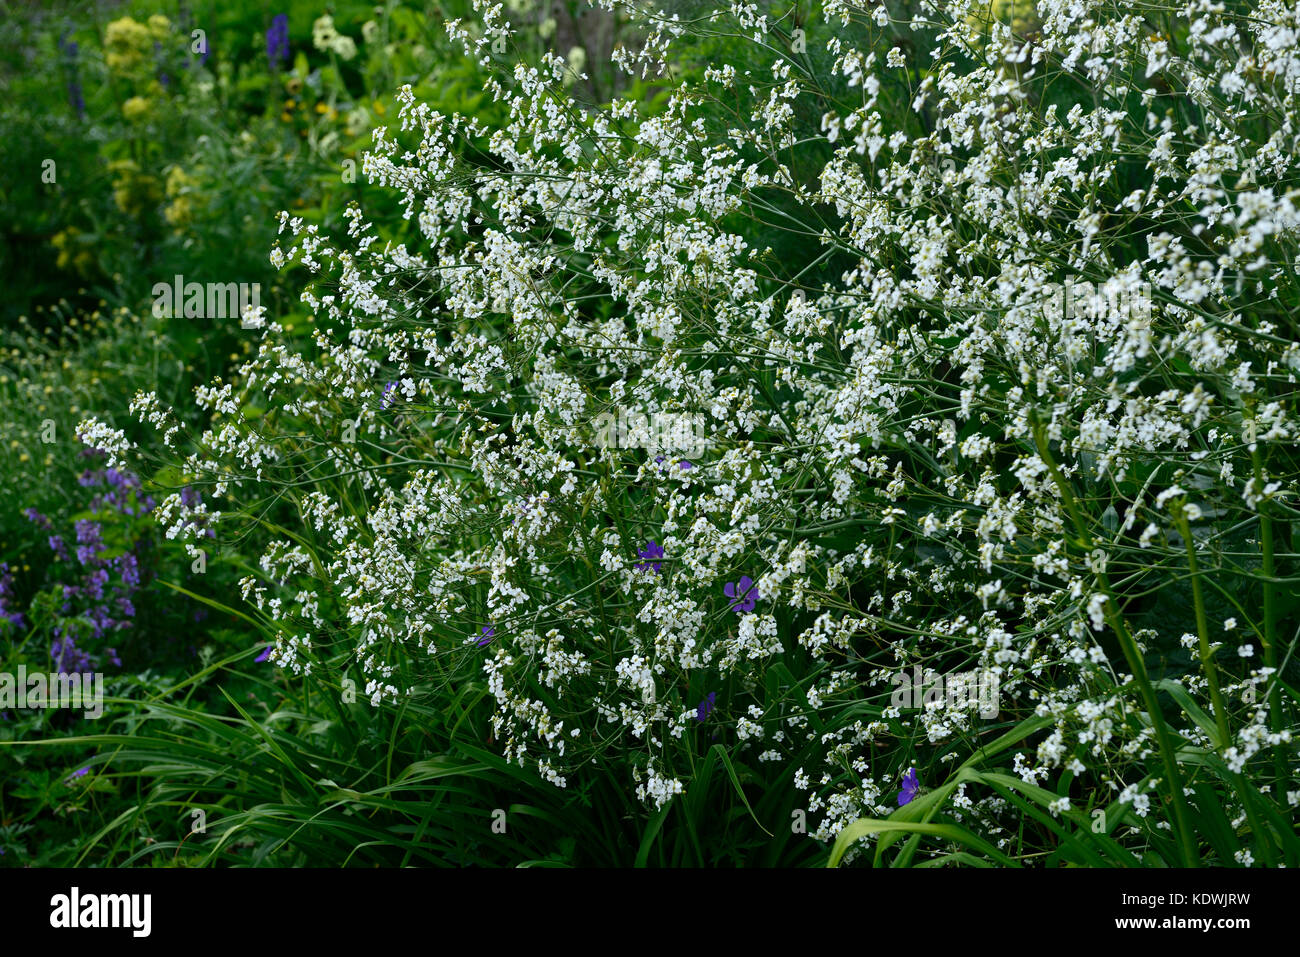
353	907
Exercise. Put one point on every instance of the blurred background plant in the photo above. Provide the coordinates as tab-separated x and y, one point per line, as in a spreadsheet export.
142	141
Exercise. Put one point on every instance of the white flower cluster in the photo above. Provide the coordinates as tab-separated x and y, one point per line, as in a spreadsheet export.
916	450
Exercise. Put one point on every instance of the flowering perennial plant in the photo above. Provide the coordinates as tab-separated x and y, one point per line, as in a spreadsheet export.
931	460
88	614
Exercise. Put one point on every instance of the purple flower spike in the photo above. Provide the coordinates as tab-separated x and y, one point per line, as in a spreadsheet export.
385	400
488	634
911	787
266	653
277	40
705	706
685	466
742	593
651	551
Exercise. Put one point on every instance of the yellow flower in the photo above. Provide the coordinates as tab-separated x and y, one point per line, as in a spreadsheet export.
159	26
126	33
125	42
178	181
60	242
72	254
1020	15
132	191
179	212
122	170
136	108
181	209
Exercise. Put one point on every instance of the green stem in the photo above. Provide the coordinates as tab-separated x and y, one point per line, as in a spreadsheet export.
1202	625
1270	633
1132	655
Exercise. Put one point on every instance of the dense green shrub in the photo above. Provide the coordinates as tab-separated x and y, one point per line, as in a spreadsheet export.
1016	400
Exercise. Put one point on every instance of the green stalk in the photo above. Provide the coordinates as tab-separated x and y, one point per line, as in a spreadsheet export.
1202	625
1132	655
1270	633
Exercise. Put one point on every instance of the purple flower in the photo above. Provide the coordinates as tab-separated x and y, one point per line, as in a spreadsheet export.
160	59
6	596
488	634
129	566
743	594
911	787
69	50
79	773
683	465
58	548
93	586
76	98
89	541
384	400
705	706
68	658
266	653
277	39
652	551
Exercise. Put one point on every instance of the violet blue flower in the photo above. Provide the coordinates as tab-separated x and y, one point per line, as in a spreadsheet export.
6	596
652	551
277	40
488	634
911	787
743	594
705	706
